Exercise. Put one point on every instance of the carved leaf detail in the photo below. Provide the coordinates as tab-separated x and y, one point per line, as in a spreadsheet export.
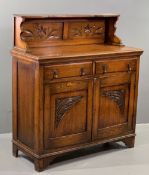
118	96
98	30
93	30
63	105
76	32
40	32
52	34
26	35
87	30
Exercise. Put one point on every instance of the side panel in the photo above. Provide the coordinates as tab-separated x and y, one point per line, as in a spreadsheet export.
25	104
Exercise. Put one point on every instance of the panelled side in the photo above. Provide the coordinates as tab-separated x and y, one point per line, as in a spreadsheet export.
25	103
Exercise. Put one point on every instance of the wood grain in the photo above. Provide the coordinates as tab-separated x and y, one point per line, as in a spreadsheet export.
25	105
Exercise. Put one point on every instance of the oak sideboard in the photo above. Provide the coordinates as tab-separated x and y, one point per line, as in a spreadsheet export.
75	85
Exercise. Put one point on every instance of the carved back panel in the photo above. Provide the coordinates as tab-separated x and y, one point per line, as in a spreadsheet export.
33	32
41	31
87	30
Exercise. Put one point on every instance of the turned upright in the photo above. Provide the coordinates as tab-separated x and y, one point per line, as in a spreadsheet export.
75	85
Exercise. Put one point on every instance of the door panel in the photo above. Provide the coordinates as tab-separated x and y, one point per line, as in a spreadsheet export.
67	113
114	96
115	99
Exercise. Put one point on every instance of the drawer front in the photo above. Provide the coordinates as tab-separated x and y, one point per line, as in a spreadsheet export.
115	66
67	70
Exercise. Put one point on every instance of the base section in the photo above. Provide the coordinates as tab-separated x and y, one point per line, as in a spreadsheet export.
41	162
129	142
15	150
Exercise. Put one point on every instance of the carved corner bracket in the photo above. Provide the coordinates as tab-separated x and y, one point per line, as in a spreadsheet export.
118	96
63	105
112	37
116	40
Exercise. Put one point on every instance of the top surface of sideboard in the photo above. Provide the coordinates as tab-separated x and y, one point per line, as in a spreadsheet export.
58	36
66	15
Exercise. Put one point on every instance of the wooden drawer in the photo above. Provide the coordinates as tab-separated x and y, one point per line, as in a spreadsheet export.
115	66
67	70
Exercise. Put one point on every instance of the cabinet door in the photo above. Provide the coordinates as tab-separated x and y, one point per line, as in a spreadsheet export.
67	113
113	105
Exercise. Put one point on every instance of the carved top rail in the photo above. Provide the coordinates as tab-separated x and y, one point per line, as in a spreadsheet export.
43	31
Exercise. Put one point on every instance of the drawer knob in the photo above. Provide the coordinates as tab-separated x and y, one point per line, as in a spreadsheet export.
55	74
129	68
105	68
82	72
